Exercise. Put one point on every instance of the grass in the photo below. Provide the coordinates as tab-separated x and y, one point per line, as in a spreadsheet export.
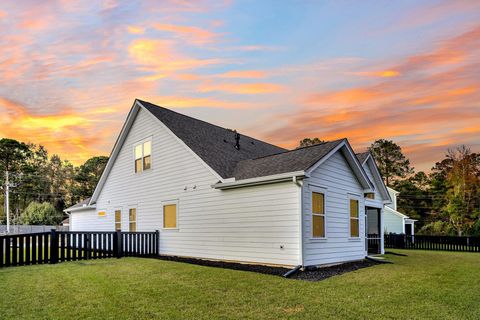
423	285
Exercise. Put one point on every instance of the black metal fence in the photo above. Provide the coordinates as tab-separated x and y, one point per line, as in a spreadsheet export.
58	246
441	243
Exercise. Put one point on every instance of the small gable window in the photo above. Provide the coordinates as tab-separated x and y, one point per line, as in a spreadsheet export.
143	156
318	215
370	195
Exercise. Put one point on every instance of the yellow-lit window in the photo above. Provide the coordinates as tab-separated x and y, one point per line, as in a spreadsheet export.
138	158
318	215
118	220
370	195
354	219
132	220
102	213
143	156
147	155
170	216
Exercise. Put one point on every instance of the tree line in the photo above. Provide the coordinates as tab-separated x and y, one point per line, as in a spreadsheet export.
43	185
445	201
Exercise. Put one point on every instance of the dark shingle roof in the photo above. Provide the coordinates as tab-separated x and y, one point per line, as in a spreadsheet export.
289	161
80	204
213	144
362	156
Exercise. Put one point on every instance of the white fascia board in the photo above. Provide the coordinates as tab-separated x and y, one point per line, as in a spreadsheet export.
259	180
379	181
396	212
68	211
351	159
181	142
116	149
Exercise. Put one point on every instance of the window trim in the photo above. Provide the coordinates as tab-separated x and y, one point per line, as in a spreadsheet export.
166	203
142	142
136	218
322	190
357	198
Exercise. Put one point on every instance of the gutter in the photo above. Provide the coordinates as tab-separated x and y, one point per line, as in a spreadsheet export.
300	203
84	207
259	180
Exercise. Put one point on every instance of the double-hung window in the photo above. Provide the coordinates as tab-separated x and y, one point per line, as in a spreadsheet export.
143	156
354	219
318	215
132	220
118	220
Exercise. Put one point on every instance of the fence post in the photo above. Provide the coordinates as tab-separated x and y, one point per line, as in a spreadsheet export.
117	244
53	246
157	242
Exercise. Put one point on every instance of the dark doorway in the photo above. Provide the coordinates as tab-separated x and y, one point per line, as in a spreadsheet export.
373	235
408	229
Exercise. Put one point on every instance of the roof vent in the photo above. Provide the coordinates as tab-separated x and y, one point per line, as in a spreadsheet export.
237	140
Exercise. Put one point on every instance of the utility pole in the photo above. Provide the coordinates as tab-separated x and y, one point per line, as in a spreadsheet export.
7	206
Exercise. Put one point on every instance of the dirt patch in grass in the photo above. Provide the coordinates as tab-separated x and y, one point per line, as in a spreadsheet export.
311	274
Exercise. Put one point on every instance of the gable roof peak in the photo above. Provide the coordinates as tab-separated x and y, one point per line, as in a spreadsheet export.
215	145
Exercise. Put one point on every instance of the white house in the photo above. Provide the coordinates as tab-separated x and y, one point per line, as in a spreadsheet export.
215	194
397	222
375	203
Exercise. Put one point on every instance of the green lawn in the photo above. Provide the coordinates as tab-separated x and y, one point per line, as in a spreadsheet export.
424	285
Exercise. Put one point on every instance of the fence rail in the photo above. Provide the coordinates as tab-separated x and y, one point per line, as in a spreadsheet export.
440	243
58	246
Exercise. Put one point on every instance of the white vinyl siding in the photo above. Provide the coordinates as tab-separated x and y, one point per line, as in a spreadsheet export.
255	224
377	201
339	181
393	223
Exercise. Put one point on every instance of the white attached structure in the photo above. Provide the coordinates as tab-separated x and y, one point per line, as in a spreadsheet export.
395	221
214	194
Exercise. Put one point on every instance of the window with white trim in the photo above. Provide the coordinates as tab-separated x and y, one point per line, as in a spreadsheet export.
143	156
132	219
318	215
354	218
118	220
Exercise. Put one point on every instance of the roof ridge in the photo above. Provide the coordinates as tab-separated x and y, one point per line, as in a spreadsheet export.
296	149
212	124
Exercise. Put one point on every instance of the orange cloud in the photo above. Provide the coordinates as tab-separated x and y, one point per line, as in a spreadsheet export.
194	35
160	55
2	14
135	30
190	102
241	88
66	133
433	107
381	74
242	74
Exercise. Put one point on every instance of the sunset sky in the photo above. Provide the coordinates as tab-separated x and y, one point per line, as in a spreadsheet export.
276	70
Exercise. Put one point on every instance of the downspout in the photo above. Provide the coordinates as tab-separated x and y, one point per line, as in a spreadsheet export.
299	183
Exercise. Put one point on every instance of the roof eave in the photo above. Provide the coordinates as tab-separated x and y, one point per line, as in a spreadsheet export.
352	160
282	177
68	210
